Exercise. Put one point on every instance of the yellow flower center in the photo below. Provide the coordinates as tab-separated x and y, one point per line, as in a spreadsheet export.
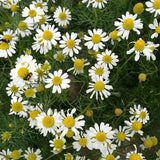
57	80
4	46
22	72
107	58
139	45
62	16
70	43
29	92
89	113
70	133
138	8
99	0
14	89
40	89
142	77
113	35
6	136
128	24
96	38
69	157
118	111
158	152
134	156
7	157
154	140
121	136
101	136
45	67
15	154
33	114
42	20
60	57
47	35
7	37
78	64
83	141
99	86
148	143
99	71
110	157
32	156
39	5
158	29
156	4
40	72
48	121
136	125
142	115
69	122
32	13
17	106
13	7
58	143
22	25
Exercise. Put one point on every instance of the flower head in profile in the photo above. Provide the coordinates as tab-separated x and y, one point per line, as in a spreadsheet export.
114	37
156	27
127	23
41	4
98	3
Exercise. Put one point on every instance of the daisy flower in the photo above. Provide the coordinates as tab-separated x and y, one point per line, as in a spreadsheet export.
155	26
33	113
5	155
99	86
5	136
58	144
13	5
114	36
153	7
16	154
44	20
24	28
48	122
134	155
152	47
41	73
95	39
78	66
98	3
69	122
13	90
59	56
70	44
108	59
81	140
30	154
99	70
133	111
32	13
139	47
19	107
62	16
126	23
68	156
41	4
122	134
109	156
138	8
100	135
58	80
147	143
48	35
134	127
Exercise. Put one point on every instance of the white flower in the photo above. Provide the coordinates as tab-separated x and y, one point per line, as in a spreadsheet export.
81	140
133	111
58	80
153	7
48	122
100	135
32	13
62	16
109	156
99	87
122	134
114	36
70	44
30	154
139	48
156	27
69	122
41	4
135	155
78	66
19	107
147	143
5	155
98	3
59	56
95	40
128	22
108	59
13	6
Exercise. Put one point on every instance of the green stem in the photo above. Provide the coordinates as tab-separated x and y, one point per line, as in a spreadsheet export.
10	62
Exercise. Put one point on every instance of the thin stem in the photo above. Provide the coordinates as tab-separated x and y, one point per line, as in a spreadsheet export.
10	62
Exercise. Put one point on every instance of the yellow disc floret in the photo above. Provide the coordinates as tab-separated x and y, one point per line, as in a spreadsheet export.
114	35
78	64
142	77
40	72
136	126
42	20
15	154
29	92
70	43
47	35
4	46
57	80
138	8
110	157
48	121
40	88
139	45
60	57
99	86
69	122
6	136
118	111
134	156
14	89
32	156
22	72
101	136
107	58
39	5
158	29
154	140
128	24
99	71
7	37
142	115
17	106
148	143
121	136
62	16
70	133
156	4
96	38
83	141
58	143
13	8
33	114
